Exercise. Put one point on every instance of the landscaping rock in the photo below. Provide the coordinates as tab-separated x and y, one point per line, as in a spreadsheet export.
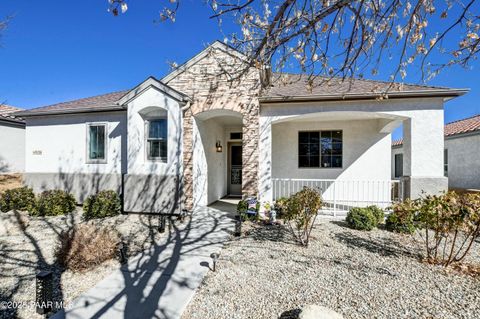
318	312
376	274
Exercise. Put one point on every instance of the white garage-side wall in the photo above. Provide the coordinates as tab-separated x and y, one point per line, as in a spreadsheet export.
56	153
463	161
365	151
58	144
12	148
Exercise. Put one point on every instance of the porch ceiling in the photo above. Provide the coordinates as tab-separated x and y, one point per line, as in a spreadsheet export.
340	116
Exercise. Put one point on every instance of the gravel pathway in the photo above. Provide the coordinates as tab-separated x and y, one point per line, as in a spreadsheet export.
373	274
27	244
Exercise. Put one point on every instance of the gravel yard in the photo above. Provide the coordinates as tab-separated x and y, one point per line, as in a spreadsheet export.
9	181
373	274
27	244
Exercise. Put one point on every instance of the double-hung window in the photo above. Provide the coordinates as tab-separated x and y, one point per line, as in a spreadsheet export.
97	143
320	149
157	139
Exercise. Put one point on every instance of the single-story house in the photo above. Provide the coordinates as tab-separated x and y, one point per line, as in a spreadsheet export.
461	154
12	141
201	133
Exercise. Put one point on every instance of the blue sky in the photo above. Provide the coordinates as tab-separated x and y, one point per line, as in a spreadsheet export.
55	51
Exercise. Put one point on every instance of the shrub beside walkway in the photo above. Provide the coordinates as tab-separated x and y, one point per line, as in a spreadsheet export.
160	281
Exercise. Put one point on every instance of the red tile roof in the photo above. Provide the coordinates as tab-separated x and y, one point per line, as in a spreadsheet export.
6	113
470	124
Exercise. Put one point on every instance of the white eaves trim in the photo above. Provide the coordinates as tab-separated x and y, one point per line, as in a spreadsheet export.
153	82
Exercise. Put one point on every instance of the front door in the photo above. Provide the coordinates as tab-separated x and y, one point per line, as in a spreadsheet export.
235	169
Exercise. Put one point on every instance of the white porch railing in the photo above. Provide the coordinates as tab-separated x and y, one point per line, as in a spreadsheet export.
340	195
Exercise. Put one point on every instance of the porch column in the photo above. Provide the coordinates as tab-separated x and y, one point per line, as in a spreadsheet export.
265	160
423	154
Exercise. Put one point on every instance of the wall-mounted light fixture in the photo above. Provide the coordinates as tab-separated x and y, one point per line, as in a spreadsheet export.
218	146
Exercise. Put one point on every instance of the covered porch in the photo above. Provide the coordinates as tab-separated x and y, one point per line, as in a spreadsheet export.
345	154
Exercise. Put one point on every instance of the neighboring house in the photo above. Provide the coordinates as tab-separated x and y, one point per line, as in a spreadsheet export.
461	154
12	141
195	136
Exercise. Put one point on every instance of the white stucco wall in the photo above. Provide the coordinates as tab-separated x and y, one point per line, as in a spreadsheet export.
210	166
463	161
138	163
58	144
12	148
365	151
423	133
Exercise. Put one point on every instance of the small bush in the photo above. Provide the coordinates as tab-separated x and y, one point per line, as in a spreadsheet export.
242	206
402	218
53	203
302	210
103	204
281	206
377	213
86	246
361	218
21	198
451	223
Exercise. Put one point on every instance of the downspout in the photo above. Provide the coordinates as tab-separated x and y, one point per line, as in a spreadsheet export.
181	180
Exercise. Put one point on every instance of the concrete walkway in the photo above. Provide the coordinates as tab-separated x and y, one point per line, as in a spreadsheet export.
160	282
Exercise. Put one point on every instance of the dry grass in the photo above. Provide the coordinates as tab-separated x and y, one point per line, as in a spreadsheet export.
86	246
9	181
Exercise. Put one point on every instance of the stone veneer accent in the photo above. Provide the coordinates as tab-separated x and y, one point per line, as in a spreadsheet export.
209	84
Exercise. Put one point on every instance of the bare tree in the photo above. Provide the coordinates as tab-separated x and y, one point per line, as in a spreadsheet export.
347	38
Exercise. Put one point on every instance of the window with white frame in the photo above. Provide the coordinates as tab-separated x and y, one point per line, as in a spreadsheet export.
157	136
97	143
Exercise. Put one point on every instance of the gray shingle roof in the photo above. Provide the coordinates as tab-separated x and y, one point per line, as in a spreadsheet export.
296	85
6	113
284	85
89	103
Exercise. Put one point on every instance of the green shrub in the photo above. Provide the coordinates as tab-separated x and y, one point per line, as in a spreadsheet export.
103	204
53	203
361	218
377	213
302	210
402	218
21	198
